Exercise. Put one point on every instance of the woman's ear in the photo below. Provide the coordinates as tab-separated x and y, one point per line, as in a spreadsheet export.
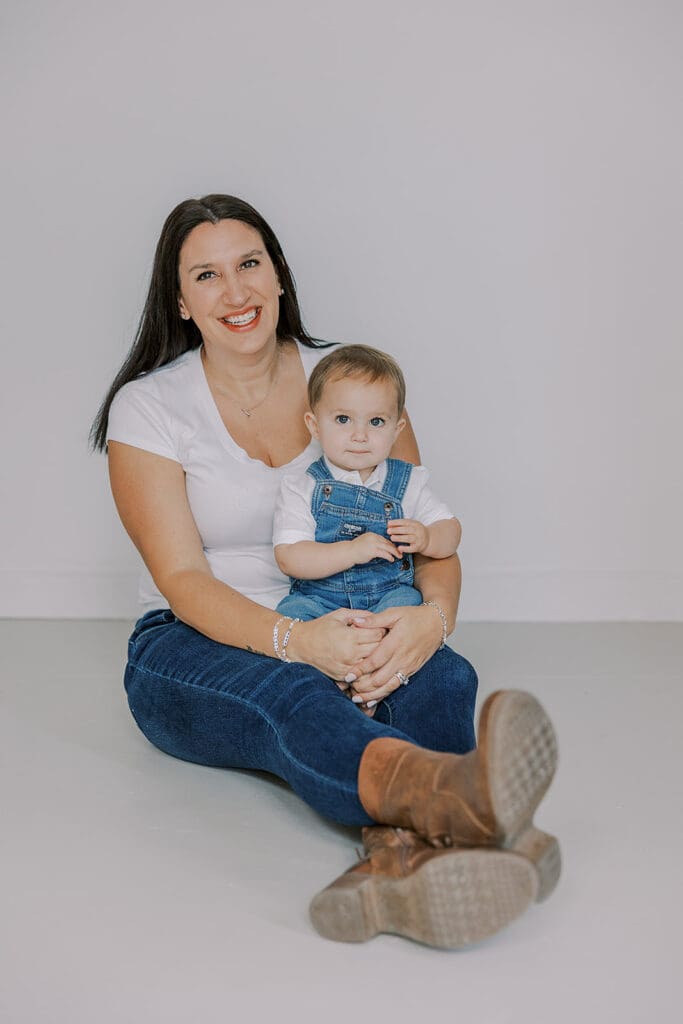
312	424
182	309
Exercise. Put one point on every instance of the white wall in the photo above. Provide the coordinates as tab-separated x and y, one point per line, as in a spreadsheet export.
491	190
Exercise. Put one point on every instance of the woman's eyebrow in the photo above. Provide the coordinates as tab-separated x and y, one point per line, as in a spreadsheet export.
244	256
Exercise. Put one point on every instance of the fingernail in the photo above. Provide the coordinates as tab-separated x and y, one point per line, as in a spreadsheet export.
371	704
350	678
358	699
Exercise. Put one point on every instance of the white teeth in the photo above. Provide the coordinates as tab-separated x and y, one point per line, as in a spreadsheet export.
245	318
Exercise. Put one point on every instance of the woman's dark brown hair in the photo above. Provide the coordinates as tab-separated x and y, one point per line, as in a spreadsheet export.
162	335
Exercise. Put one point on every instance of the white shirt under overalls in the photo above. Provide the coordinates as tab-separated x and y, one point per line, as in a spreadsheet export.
294	522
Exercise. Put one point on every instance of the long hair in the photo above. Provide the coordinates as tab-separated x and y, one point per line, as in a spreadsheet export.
162	335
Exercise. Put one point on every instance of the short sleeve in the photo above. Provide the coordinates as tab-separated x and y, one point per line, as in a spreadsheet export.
427	507
137	417
293	520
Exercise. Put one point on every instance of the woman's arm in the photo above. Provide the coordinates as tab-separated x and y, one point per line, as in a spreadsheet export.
437	579
149	492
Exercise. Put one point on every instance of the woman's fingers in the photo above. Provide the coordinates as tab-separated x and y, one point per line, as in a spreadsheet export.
411	640
371	694
379	620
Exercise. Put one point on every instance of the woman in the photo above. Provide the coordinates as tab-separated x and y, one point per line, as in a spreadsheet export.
200	424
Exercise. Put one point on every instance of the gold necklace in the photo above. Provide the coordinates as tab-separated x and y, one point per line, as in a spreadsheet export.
247	411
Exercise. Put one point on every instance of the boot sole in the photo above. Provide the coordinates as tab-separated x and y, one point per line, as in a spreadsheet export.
543	850
519	745
454	899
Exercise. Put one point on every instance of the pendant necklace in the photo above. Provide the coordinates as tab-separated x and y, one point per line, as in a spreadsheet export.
247	411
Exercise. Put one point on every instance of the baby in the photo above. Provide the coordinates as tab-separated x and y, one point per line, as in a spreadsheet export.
346	528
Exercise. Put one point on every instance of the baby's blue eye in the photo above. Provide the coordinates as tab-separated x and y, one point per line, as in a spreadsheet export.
376	421
342	419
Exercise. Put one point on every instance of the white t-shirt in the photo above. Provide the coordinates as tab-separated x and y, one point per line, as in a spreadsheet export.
171	412
294	521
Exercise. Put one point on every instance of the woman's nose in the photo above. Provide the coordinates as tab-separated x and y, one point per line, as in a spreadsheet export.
235	292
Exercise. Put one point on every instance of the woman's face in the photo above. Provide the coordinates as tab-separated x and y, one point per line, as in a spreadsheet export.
228	286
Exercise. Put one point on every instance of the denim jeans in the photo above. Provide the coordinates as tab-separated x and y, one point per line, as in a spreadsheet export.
216	705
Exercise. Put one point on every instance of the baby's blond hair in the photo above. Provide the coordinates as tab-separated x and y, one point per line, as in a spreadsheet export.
356	361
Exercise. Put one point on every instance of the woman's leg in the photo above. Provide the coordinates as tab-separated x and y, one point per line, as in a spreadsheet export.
436	708
217	705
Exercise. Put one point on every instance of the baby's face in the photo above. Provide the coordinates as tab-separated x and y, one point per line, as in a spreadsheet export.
356	422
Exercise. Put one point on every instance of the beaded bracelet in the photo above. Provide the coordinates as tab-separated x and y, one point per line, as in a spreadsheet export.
281	652
276	636
286	640
444	624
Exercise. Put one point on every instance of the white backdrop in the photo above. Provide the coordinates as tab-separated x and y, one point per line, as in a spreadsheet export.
489	190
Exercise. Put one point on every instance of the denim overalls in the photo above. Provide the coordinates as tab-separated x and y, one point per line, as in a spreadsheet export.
342	511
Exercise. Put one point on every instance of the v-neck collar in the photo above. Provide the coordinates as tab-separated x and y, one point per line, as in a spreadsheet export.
226	439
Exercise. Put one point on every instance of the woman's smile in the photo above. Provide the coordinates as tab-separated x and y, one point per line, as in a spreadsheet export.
243	321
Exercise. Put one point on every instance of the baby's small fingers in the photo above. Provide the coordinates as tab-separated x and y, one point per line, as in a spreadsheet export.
404	537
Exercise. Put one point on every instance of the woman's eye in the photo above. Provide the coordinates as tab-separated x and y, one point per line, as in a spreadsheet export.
249	264
376	421
205	275
342	419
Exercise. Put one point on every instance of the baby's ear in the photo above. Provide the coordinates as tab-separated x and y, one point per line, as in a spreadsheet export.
312	424
400	424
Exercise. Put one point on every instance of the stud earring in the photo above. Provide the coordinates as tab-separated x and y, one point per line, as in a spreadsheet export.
282	291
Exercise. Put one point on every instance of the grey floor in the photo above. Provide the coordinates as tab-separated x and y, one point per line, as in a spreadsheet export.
137	888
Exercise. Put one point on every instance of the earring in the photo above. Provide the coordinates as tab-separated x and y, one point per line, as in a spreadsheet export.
282	291
184	316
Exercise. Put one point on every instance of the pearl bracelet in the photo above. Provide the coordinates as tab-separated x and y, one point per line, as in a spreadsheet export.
442	616
281	652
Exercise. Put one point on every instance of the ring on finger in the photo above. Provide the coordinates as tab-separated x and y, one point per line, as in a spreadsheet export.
402	678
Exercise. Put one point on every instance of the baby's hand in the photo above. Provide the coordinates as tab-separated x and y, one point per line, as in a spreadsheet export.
408	535
372	545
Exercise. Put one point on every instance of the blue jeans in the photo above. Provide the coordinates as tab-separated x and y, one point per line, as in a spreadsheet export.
221	706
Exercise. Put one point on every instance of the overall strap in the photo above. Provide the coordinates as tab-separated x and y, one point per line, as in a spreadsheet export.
319	470
322	476
396	480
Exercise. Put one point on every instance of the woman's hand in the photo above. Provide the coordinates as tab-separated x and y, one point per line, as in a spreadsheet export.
336	642
414	634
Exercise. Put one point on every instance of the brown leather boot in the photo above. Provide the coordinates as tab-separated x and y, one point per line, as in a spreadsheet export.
444	898
484	798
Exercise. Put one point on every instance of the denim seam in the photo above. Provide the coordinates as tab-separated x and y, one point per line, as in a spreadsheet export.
240	700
